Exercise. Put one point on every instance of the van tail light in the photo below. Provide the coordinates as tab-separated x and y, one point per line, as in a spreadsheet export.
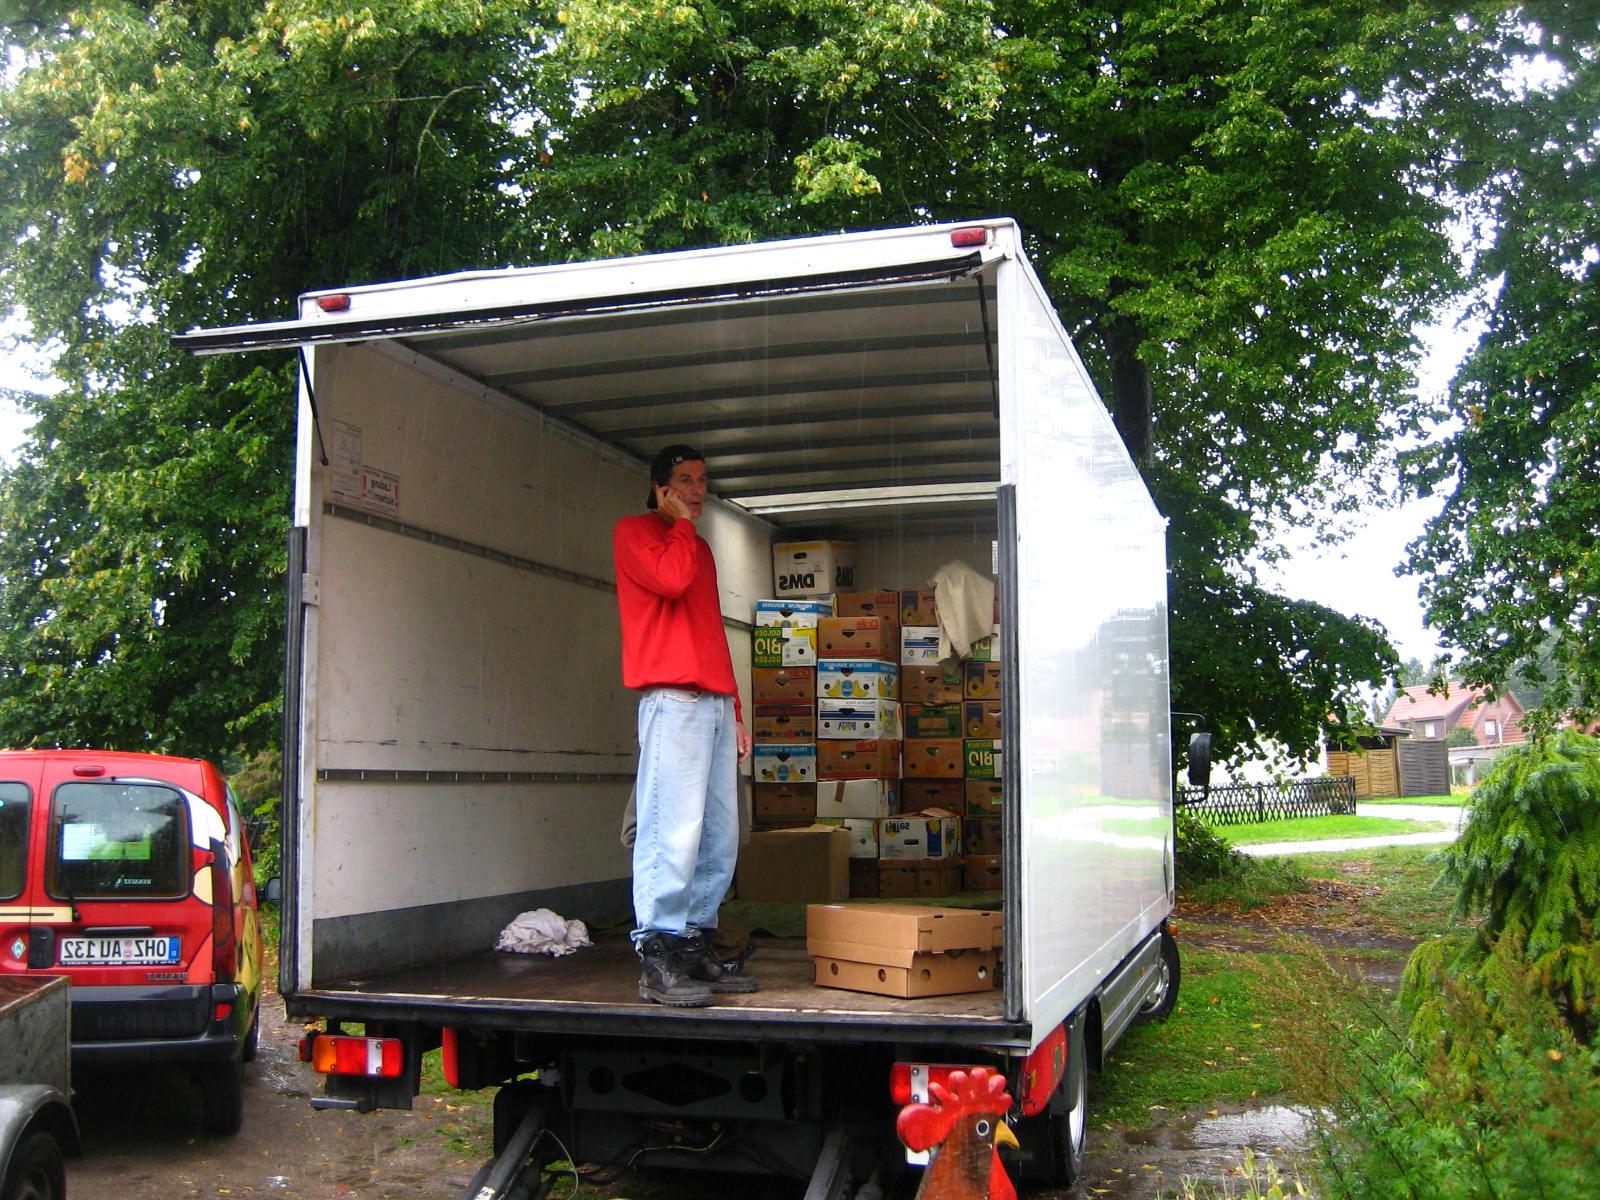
342	1054
224	946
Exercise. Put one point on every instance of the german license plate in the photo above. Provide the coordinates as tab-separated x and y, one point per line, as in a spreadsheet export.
111	951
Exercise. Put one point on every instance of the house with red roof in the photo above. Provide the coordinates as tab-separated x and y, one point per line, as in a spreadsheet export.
1490	725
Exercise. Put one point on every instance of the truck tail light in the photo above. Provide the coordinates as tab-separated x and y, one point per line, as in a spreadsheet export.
972	235
337	302
909	1081
342	1054
224	947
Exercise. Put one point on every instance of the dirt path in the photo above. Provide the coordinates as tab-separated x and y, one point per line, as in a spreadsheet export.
142	1137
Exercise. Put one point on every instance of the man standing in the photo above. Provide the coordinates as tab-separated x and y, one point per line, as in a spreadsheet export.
691	736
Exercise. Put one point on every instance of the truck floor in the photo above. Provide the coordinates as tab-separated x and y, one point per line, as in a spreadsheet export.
603	980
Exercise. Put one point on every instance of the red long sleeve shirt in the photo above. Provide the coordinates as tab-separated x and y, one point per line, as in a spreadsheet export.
670	607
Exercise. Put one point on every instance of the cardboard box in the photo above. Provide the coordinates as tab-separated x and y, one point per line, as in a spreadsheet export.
931	720
986	649
904	949
813	568
811	863
759	826
926	880
980	718
931	834
874	759
783	723
921	645
981	873
863	834
981	680
981	835
775	646
934	758
785	762
793	614
983	797
783	685
868	604
981	758
858	798
919	795
917	608
785	802
858	678
858	720
863	879
940	684
857	637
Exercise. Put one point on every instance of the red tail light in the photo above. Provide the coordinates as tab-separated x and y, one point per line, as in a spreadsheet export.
972	235
338	1054
224	946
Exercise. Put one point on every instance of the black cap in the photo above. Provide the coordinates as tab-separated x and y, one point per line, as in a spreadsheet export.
662	464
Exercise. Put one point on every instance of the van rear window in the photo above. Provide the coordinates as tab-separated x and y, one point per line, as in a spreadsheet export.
116	840
15	801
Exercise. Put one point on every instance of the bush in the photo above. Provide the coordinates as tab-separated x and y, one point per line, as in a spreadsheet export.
1210	871
258	786
1527	865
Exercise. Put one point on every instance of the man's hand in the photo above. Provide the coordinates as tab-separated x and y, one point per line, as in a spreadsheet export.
742	740
670	504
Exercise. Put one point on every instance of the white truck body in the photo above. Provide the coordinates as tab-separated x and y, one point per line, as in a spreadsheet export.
460	746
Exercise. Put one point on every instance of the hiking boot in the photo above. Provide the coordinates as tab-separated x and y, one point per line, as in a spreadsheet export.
725	975
666	975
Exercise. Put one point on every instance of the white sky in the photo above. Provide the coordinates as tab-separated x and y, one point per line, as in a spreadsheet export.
1357	577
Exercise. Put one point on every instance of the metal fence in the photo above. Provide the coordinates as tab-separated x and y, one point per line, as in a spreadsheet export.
1245	803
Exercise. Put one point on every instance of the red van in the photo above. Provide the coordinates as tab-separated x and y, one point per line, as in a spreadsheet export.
129	874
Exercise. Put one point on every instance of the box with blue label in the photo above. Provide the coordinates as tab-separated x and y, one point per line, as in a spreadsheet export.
813	568
785	762
921	645
934	833
793	613
857	679
857	720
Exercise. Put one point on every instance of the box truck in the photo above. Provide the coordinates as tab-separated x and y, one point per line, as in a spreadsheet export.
459	748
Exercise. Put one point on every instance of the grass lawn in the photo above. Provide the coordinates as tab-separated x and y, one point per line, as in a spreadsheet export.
1316	829
1458	800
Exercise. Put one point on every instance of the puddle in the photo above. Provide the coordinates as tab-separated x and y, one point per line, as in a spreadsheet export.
1274	1128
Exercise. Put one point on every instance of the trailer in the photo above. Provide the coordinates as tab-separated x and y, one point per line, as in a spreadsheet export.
37	1127
459	747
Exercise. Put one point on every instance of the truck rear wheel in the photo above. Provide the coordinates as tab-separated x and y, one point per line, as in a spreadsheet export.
222	1098
37	1171
1052	1142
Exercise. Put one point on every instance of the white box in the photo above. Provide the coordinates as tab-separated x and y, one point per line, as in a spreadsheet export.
858	720
857	798
863	834
987	649
921	646
857	678
785	762
813	568
793	614
932	833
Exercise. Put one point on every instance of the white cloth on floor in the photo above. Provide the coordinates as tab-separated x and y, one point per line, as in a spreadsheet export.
964	600
543	932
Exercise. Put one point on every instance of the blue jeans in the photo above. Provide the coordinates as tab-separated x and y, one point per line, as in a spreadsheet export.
688	810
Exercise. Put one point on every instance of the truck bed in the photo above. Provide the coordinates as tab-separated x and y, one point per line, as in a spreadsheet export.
596	991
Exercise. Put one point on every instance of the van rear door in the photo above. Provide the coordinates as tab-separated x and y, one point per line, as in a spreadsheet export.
23	909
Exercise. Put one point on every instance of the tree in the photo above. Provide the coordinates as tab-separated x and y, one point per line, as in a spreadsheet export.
165	166
1511	564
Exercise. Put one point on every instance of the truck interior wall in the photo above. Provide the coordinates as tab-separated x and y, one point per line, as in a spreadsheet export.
474	745
910	561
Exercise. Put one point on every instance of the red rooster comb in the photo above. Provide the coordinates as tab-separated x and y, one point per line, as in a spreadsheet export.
923	1126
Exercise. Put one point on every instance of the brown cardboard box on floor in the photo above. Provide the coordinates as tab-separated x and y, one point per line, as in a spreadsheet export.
912	880
811	863
903	949
981	835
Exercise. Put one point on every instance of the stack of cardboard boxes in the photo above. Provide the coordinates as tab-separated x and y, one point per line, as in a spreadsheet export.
862	722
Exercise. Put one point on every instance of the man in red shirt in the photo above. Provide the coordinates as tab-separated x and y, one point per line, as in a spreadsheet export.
691	736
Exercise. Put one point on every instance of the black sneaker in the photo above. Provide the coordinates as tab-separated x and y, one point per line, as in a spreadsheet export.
726	976
666	975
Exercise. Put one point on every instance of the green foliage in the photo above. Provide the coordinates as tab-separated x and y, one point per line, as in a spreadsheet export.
258	785
1460	736
1202	853
1527	863
1510	567
1509	1105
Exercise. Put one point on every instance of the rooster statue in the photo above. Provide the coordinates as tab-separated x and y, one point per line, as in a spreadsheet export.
963	1127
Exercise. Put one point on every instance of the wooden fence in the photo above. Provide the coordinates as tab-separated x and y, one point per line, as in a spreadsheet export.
1246	803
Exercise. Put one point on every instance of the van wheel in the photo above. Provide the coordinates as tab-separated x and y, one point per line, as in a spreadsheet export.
37	1170
222	1099
1158	1005
252	1040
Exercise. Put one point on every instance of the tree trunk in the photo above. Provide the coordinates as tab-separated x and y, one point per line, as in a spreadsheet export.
1131	397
